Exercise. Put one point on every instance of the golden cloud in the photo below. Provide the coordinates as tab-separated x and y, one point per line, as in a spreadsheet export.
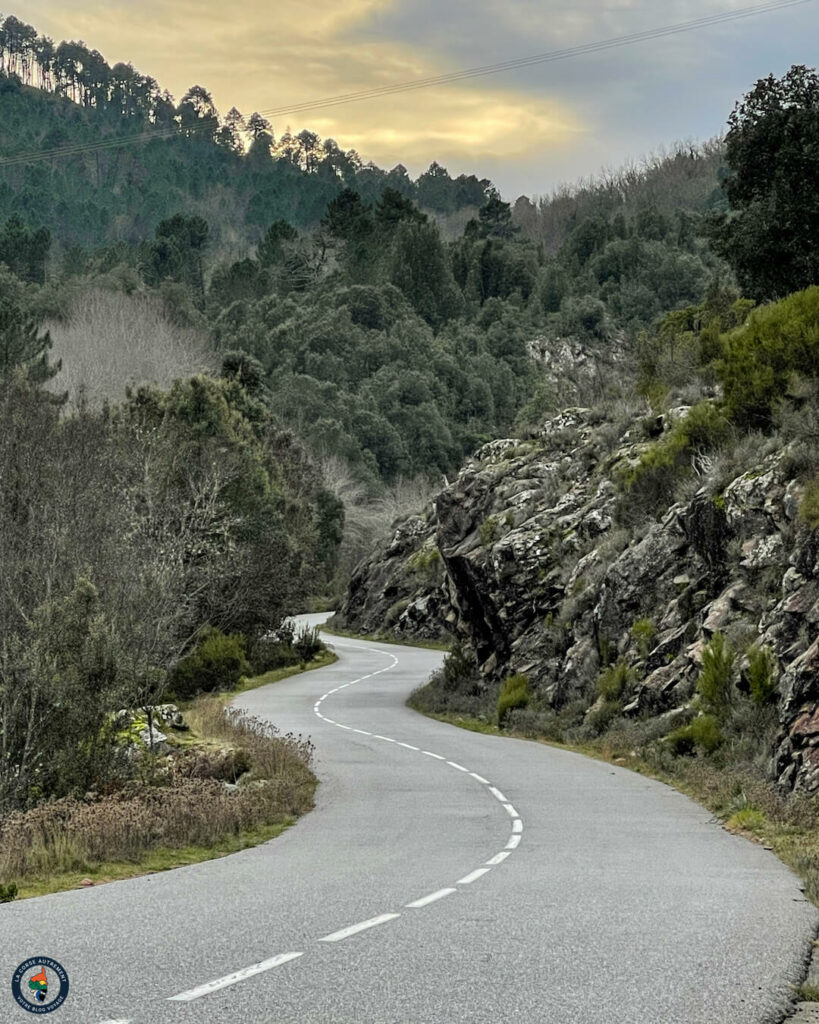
258	57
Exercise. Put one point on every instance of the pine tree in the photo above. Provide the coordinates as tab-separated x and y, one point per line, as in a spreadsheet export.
22	344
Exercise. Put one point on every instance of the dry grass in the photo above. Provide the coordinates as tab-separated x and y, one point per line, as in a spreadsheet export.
189	801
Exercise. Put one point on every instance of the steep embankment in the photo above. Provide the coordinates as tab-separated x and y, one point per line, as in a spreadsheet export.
541	562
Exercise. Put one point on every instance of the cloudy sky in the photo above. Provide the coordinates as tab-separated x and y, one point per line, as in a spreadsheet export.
528	130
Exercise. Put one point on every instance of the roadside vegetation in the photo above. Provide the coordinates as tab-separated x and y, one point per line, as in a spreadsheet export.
208	779
719	757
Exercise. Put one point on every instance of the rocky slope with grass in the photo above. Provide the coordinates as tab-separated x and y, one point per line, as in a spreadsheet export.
617	560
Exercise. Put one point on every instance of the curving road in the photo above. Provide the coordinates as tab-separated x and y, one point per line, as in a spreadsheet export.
444	877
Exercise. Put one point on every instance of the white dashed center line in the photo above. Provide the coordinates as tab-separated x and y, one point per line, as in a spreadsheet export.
362	926
432	898
473	876
373	922
232	979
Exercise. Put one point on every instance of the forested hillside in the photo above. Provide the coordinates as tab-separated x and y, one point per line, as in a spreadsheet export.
237	172
383	342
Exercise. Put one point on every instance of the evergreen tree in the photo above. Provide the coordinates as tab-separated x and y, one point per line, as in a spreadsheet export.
771	236
22	345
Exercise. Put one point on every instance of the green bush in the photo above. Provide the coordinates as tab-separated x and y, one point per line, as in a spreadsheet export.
760	361
515	693
307	645
652	482
8	893
215	664
395	612
488	532
809	505
701	734
643	632
616	679
424	561
715	683
760	675
600	717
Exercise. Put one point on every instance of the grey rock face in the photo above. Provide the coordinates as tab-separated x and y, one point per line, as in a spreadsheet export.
535	573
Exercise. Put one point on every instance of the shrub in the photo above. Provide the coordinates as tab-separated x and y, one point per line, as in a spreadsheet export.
284	647
216	664
703	734
8	893
424	561
652	482
761	359
715	683
395	612
613	683
600	718
809	505
760	675
459	671
749	819
308	645
643	632
515	693
488	531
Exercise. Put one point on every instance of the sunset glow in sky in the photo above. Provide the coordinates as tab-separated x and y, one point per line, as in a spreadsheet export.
528	130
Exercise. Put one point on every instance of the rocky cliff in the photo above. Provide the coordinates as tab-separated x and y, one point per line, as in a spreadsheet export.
534	560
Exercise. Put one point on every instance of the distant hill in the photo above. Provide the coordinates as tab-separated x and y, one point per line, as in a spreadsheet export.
233	172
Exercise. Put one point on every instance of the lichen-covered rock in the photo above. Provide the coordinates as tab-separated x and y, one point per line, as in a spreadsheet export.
399	587
538	572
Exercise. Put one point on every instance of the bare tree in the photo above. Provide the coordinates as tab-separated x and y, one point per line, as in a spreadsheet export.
111	341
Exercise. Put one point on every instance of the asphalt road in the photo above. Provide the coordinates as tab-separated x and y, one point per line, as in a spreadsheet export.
497	881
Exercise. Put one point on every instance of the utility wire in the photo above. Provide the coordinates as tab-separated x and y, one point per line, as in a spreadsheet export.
211	124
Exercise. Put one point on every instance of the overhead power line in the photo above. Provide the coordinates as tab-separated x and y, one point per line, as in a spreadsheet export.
553	56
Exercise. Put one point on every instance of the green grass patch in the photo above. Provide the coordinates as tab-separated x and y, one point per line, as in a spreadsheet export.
749	819
808	993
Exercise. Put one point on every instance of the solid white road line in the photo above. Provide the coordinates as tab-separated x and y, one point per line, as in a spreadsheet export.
473	876
409	746
460	767
232	979
354	929
438	757
426	900
496	793
480	778
499	858
510	810
514	843
517	825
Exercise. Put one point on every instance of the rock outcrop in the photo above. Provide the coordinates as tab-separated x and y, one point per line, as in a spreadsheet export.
534	561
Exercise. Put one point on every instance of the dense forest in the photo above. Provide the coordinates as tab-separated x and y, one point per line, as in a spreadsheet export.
234	171
270	348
